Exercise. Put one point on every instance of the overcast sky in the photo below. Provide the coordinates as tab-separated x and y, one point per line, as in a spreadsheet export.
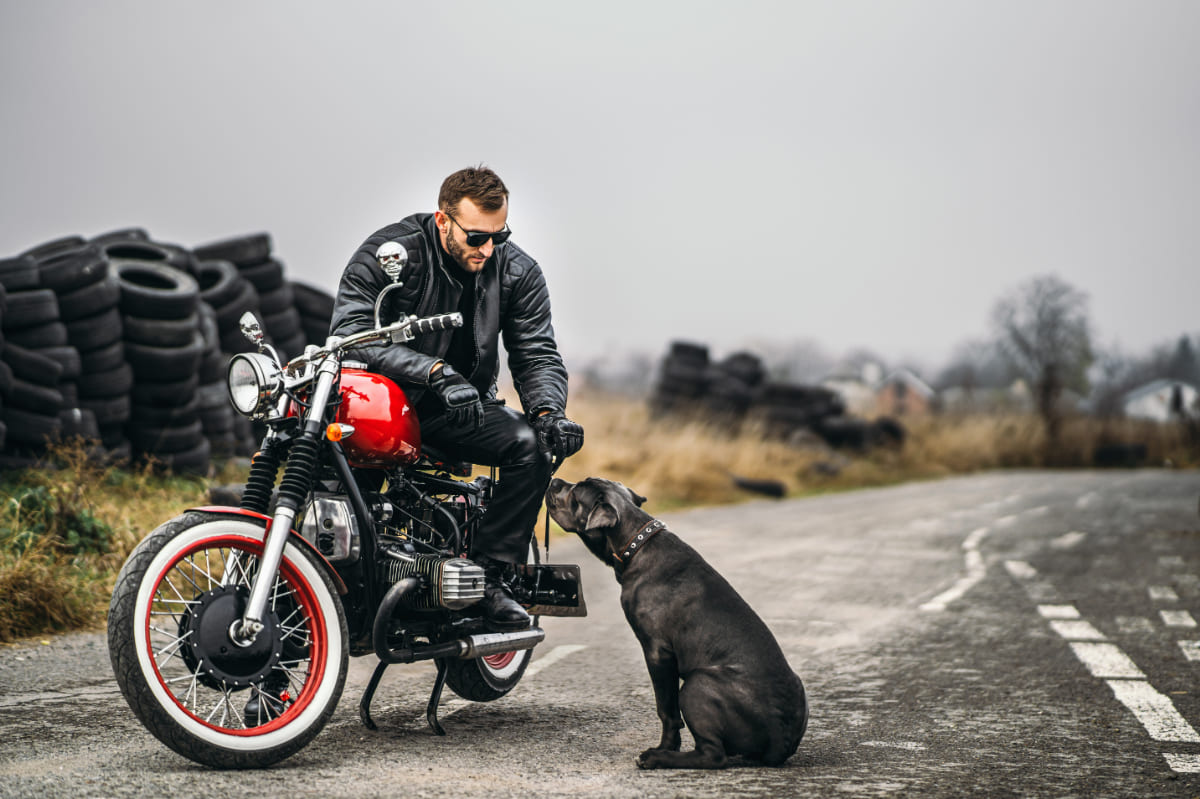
858	174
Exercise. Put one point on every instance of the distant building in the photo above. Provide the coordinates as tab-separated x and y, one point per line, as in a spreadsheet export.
902	393
1162	401
856	386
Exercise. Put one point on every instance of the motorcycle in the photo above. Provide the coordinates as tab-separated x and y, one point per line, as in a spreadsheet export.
230	628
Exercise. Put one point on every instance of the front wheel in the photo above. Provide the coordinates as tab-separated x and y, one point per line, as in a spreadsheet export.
205	697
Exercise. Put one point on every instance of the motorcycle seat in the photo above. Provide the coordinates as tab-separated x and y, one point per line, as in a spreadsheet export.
434	459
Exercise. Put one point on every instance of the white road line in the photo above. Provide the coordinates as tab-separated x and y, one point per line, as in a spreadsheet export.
1068	540
1177	618
1076	630
1184	764
1163	593
1134	625
1106	661
1086	499
1058	611
449	707
976	571
1020	570
1154	710
1171	562
1191	649
550	658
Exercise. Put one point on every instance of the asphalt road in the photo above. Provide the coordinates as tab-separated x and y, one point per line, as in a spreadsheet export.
1009	634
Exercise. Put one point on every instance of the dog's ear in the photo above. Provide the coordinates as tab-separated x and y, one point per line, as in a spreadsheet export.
638	499
602	515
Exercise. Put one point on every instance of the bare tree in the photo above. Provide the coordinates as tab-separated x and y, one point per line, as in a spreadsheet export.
1043	329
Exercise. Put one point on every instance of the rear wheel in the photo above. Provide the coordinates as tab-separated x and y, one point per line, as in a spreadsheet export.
175	601
492	676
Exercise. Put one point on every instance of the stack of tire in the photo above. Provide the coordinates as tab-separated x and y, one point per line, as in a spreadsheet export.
164	349
316	311
786	408
683	379
734	383
251	255
38	359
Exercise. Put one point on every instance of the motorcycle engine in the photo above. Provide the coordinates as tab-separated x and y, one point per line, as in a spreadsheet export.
453	583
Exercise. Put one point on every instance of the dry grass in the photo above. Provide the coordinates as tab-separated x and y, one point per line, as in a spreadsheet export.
59	558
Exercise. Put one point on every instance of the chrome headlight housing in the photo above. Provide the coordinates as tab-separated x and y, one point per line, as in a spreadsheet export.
254	383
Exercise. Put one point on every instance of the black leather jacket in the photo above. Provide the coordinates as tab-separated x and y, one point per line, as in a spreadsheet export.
511	300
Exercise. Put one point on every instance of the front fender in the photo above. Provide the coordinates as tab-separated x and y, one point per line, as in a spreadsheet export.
229	510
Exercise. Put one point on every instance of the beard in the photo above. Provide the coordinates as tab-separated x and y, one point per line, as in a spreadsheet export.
459	253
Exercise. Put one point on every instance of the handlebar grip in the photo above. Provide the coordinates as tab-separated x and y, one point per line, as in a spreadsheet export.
431	324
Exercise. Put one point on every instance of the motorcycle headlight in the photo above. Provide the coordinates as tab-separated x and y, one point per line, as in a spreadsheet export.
254	383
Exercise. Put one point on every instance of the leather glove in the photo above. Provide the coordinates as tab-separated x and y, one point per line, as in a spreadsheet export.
463	407
557	434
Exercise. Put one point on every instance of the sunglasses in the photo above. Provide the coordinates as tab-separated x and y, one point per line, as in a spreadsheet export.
477	238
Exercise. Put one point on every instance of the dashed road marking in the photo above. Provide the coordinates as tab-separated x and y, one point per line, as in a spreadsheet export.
1177	618
1191	649
1058	611
1076	630
1184	764
1086	500
1171	562
1154	710
1134	625
1068	540
1106	661
1020	570
1163	593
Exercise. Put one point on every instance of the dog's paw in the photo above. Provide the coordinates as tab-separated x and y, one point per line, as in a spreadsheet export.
649	759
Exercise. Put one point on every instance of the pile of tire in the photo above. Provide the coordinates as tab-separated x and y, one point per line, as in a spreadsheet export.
126	340
683	378
251	256
737	388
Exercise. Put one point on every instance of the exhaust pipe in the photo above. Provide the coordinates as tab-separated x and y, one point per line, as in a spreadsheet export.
469	648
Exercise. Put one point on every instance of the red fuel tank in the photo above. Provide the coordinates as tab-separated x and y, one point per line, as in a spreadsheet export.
386	432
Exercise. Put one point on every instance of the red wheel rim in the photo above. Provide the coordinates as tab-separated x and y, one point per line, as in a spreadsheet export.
306	600
499	661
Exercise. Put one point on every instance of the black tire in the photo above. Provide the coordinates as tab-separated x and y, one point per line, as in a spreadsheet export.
239	250
27	427
116	382
51	334
49	248
79	423
156	291
265	277
292	346
165	364
151	416
285	324
228	314
163	439
67	357
30	308
104	359
6	379
175	392
110	412
161	332
31	365
94	332
19	274
219	282
687	352
312	301
121	234
72	269
3	435
34	398
315	330
277	300
685	372
70	392
89	300
194	461
147	660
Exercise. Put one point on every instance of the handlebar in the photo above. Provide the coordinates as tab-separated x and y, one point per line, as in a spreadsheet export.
400	331
431	324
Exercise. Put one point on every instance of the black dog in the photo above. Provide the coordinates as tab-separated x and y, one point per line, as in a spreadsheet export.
739	695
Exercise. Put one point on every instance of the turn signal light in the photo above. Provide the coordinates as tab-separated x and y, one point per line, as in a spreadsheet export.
337	431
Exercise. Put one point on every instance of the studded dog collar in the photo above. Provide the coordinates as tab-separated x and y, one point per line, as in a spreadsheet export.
639	539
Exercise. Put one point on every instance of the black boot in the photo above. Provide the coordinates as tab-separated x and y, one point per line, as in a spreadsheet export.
501	613
267	701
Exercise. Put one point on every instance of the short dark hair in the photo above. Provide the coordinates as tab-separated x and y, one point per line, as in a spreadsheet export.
483	186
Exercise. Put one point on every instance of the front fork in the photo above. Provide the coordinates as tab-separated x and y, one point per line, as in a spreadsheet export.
293	491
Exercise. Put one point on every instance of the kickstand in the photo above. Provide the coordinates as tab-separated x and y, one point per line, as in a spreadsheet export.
364	704
436	697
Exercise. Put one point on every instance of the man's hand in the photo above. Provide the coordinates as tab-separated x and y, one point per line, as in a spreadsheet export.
463	408
557	434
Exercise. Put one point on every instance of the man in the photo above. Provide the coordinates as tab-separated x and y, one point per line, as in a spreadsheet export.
460	259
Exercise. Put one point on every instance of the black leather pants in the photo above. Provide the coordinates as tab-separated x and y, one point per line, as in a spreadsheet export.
507	441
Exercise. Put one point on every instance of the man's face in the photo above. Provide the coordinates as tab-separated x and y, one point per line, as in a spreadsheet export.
452	230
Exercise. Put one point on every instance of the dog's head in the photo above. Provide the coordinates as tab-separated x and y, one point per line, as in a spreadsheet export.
593	509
